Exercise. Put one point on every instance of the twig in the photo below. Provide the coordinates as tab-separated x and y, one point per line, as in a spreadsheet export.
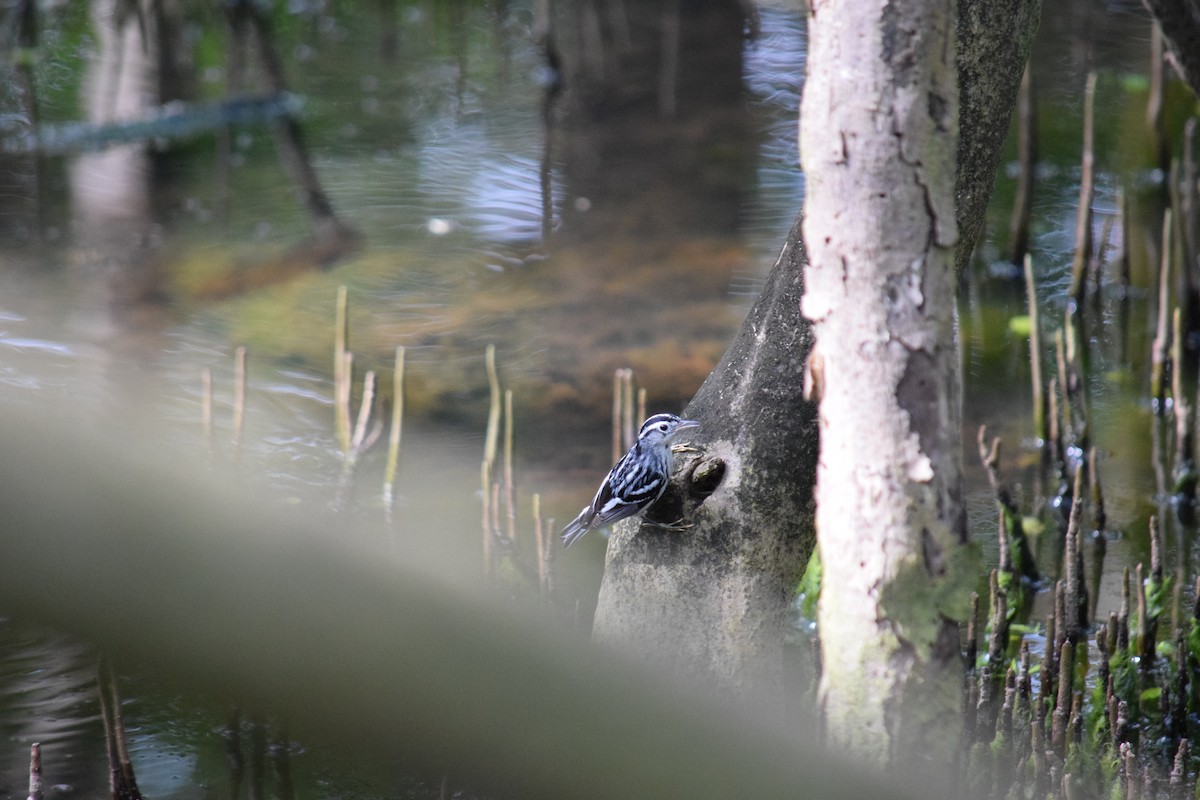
362	441
485	480
1096	263
1100	518
1154	98
1083	218
1035	358
628	409
1062	705
493	424
1012	531
1159	352
1075	601
239	394
342	367
1076	388
122	783
206	402
1184	473
1124	278
1018	231
393	456
510	505
617	439
1189	203
35	771
1186	279
1145	636
539	536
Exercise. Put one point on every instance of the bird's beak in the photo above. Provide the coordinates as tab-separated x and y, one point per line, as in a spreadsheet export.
684	424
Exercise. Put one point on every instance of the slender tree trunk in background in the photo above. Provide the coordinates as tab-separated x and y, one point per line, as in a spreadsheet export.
712	601
27	42
332	237
1179	21
878	143
994	37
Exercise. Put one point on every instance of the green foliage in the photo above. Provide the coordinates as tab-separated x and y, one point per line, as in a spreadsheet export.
920	602
809	589
1133	82
979	770
1108	764
1158	597
1096	717
1076	764
1033	526
1192	641
1020	325
1125	678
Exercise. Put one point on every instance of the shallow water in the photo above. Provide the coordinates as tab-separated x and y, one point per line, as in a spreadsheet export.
434	157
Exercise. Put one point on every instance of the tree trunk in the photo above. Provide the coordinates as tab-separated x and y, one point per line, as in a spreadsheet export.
878	142
994	37
713	600
1179	21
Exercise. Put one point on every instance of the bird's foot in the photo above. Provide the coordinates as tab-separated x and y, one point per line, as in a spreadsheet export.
678	526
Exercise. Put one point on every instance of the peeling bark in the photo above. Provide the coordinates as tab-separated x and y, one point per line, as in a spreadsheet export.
882	234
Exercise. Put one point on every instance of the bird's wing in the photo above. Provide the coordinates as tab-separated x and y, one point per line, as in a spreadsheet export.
627	490
630	486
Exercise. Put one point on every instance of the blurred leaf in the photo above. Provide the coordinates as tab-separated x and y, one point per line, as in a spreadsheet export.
1020	326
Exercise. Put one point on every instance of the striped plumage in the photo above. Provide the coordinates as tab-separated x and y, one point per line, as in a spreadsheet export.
637	480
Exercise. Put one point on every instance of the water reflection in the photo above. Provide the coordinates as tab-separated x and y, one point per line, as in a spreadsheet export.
47	695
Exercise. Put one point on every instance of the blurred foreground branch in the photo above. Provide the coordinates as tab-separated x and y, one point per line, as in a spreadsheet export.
377	654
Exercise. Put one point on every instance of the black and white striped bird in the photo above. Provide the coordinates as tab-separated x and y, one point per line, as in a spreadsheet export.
637	480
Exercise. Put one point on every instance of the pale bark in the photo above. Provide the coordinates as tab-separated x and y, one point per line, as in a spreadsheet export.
879	137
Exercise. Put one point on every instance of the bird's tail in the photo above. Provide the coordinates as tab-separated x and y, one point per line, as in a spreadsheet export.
573	531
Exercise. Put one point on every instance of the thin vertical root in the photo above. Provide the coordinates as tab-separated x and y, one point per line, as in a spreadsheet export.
493	423
1035	358
393	456
342	367
628	408
239	394
1083	220
206	402
1160	348
510	504
485	480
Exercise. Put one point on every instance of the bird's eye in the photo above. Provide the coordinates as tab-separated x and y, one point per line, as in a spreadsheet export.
663	427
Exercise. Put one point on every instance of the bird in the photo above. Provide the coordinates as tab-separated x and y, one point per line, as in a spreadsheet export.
637	480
